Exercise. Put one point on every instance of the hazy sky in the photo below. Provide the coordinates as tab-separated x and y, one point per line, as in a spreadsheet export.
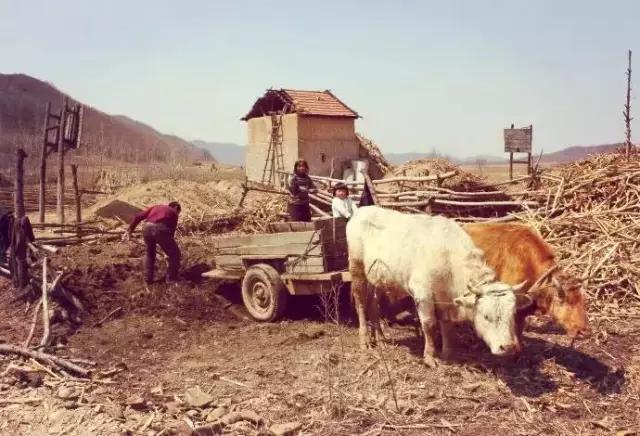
448	75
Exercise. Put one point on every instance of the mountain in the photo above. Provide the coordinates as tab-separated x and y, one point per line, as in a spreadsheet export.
578	152
23	101
569	154
224	152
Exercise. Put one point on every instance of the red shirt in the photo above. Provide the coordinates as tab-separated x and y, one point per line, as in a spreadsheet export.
160	214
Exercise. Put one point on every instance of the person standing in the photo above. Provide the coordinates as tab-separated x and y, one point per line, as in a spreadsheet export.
342	205
300	187
159	229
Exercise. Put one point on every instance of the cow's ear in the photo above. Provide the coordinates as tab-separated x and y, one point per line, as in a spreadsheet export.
523	301
466	301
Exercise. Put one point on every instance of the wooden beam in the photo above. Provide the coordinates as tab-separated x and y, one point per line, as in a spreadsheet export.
416	179
61	152
19	184
76	194
372	188
43	166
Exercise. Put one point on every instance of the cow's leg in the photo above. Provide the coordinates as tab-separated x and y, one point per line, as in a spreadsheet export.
427	316
373	312
448	341
359	292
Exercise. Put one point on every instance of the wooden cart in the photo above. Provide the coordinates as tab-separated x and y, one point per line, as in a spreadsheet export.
294	258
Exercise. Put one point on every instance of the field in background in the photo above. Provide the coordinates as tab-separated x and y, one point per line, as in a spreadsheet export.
499	172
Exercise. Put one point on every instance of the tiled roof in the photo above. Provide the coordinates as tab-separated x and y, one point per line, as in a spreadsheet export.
318	103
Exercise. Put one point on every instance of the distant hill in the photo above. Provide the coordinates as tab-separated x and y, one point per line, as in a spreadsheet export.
224	152
578	152
569	154
23	100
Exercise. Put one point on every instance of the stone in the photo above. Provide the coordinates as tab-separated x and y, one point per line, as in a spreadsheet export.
67	393
173	407
285	429
136	402
34	380
157	390
115	411
217	413
196	397
70	404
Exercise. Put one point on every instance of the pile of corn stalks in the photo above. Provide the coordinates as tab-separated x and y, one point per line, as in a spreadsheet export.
592	218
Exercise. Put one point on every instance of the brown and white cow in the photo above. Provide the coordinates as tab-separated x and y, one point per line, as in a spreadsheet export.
518	254
432	260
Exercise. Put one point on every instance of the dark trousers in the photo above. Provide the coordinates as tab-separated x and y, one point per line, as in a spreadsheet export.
299	212
161	235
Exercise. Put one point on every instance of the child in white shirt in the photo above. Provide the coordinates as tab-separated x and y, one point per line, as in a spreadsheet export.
342	206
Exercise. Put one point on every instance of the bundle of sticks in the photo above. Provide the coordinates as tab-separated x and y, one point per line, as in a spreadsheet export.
591	216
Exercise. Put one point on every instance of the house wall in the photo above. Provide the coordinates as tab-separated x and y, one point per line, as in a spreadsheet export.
333	137
259	130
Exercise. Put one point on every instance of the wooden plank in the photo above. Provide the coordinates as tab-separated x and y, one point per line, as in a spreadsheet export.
330	222
293	226
518	140
228	260
416	178
306	269
310	284
266	239
220	274
282	249
312	259
313	277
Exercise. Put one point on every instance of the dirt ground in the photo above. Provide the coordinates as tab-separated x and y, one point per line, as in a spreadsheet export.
307	371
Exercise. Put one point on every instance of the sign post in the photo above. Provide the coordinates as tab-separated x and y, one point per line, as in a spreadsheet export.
518	141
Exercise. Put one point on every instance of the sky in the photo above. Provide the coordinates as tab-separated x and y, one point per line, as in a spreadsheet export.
424	75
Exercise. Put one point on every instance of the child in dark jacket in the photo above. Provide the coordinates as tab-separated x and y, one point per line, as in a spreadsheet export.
300	187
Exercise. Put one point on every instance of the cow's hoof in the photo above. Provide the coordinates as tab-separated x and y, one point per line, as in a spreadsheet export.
430	361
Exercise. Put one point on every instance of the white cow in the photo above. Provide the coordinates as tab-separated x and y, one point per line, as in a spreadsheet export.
432	259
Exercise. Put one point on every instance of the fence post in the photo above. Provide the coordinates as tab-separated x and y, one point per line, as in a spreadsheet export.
61	150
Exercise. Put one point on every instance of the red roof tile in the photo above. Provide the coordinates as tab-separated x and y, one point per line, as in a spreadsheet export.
318	103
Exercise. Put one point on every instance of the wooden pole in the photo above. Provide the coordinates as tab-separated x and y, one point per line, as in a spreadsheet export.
45	305
372	188
76	193
19	186
511	165
43	166
61	150
627	111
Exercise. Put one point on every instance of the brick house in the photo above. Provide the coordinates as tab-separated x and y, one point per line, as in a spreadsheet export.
285	125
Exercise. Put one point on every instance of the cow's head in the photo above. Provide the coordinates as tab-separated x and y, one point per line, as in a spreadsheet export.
494	307
564	300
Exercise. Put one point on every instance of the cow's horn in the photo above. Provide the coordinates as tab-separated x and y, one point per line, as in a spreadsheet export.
473	289
519	286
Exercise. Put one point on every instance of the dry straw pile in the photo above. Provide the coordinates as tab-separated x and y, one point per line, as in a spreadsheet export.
592	217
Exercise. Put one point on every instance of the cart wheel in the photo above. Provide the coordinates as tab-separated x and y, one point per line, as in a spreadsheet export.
263	293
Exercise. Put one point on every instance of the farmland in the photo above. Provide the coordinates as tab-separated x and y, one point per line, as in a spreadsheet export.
167	359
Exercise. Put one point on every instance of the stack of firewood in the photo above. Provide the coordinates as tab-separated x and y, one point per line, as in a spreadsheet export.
592	217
